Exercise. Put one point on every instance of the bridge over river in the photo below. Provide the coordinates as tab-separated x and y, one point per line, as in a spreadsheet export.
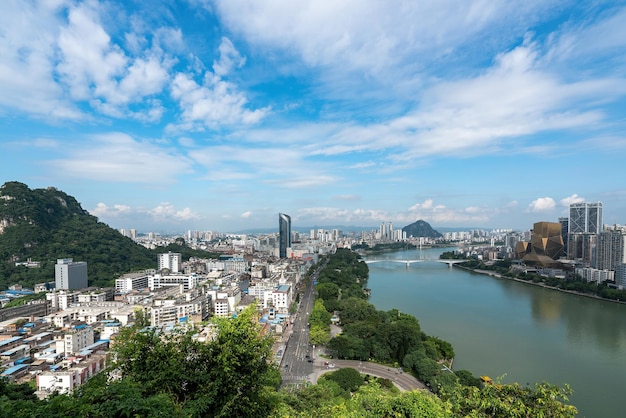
408	263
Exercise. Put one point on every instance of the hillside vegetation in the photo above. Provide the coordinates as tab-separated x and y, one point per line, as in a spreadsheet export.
47	224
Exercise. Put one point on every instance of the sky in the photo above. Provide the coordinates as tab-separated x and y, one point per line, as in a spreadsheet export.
168	115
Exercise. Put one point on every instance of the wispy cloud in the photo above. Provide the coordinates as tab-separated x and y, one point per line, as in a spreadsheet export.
120	158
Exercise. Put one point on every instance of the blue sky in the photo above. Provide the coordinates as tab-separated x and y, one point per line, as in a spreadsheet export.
218	115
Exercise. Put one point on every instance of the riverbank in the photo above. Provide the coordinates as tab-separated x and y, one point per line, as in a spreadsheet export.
542	285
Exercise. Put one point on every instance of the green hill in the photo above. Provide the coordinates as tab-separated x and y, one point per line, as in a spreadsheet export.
47	224
421	229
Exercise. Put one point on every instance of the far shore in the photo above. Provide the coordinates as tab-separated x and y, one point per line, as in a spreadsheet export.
543	285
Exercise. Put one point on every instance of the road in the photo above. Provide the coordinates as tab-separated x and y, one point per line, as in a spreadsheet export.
295	365
301	362
403	381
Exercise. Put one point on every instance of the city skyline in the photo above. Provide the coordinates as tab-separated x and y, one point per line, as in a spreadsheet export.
219	115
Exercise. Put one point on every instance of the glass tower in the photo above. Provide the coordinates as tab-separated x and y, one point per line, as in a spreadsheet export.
284	231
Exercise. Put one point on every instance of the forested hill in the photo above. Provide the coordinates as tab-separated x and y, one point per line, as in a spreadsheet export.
421	229
47	224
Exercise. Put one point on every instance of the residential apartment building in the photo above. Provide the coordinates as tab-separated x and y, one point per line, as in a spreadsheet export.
611	248
74	339
170	261
69	274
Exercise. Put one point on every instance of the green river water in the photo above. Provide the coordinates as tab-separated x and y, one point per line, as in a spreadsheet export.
520	332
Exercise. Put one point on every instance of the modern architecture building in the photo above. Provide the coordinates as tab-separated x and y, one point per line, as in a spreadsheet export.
546	245
284	232
585	218
69	274
585	222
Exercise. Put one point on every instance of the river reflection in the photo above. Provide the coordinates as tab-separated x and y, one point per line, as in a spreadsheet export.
502	327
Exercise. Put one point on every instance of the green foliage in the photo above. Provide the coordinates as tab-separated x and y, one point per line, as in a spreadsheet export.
374	402
223	377
319	335
444	349
327	291
466	378
177	376
542	400
392	246
347	378
451	255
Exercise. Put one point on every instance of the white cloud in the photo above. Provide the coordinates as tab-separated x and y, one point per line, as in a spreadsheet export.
103	211
168	212
605	37
101	73
214	103
246	214
163	214
284	167
229	58
370	36
428	204
566	201
28	48
542	204
118	157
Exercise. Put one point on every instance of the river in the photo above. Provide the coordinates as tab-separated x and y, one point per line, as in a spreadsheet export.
503	328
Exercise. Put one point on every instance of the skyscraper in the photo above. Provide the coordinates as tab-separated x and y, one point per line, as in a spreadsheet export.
585	218
284	231
611	248
585	223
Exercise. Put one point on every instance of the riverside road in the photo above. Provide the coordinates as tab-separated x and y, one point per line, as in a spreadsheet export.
301	362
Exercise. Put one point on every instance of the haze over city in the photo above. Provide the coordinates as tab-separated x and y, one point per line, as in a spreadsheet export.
200	114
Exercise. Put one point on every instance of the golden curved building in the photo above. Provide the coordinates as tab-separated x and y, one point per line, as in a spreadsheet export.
546	245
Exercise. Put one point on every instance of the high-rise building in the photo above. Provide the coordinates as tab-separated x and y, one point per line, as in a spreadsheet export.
564	221
585	218
611	248
170	261
585	222
69	274
284	232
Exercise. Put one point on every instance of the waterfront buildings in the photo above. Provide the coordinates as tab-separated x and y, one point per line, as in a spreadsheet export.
610	248
545	246
584	224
